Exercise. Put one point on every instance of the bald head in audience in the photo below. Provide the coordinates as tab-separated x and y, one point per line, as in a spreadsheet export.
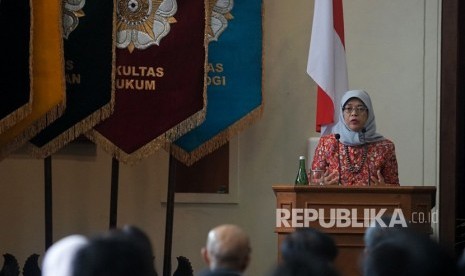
227	248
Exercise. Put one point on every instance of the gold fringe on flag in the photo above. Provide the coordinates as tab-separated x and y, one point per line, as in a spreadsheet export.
72	133
162	141
16	116
189	158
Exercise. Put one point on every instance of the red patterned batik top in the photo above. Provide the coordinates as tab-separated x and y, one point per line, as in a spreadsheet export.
380	155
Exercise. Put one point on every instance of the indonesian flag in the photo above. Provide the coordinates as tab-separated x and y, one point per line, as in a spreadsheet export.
327	62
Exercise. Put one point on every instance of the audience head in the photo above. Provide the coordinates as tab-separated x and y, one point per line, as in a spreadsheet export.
227	247
309	241
379	230
119	252
305	267
403	252
59	258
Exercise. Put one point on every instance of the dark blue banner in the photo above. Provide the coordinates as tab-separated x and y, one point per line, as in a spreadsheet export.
234	80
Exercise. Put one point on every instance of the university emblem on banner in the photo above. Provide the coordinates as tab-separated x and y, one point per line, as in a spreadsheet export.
219	14
160	76
234	79
88	31
143	23
72	11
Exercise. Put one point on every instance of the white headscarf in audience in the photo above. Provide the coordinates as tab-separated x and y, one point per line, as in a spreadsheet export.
59	257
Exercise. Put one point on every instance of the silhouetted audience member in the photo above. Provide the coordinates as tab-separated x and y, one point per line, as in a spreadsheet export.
309	241
307	252
461	264
379	230
227	251
403	252
120	252
305	266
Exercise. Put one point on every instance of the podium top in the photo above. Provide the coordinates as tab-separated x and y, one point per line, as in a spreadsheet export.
354	189
379	189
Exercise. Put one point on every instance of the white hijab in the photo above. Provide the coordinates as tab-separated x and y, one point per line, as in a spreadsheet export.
350	137
59	258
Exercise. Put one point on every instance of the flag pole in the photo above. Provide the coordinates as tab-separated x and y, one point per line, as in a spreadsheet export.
169	216
114	193
48	201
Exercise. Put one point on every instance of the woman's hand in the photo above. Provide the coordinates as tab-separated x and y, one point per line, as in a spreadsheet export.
331	178
378	179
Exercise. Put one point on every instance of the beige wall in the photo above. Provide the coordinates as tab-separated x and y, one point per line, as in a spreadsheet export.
392	52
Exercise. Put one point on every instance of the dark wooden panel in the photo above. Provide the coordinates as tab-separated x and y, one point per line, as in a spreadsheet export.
460	128
208	175
449	123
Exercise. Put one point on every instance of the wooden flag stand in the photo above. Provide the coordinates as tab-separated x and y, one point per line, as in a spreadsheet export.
114	192
169	217
48	202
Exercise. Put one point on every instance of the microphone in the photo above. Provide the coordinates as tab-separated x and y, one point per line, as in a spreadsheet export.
337	136
365	145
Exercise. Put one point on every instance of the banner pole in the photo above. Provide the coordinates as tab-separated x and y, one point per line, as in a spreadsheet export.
169	217
114	192
48	202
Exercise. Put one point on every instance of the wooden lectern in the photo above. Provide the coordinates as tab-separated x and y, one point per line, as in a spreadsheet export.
357	203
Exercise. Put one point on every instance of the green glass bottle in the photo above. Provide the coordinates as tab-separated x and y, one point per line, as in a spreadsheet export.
301	178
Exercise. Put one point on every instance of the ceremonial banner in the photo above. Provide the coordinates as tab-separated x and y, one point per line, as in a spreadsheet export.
160	74
89	59
234	79
327	61
15	60
48	82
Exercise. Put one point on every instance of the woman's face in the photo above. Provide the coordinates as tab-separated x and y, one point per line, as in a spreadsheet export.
355	114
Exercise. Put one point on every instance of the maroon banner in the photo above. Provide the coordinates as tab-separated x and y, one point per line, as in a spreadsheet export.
160	76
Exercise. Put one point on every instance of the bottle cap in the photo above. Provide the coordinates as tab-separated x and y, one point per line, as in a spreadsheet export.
301	157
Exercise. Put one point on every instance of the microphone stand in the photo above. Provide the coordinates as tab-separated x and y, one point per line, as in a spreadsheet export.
365	146
368	164
338	136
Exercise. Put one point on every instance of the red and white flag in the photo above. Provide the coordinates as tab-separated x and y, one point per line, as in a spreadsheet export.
327	62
